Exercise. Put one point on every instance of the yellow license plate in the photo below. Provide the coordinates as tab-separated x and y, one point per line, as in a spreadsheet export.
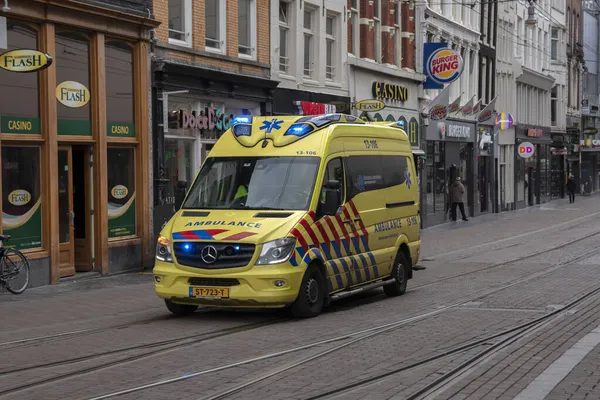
209	292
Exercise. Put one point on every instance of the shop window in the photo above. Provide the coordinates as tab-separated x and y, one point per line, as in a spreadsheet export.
180	22
178	169
121	192
19	101
73	80
215	25
21	196
247	28
284	36
309	42
119	89
365	174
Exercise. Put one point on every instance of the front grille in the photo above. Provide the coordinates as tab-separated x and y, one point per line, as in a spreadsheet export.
224	282
229	255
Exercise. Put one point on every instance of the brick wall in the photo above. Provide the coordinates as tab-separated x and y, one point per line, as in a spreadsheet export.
388	18
367	34
408	44
161	12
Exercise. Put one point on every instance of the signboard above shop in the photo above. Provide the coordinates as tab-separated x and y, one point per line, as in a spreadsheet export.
24	60
441	64
390	91
311	108
369	105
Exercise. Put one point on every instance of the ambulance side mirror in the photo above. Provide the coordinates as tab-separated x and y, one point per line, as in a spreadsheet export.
332	198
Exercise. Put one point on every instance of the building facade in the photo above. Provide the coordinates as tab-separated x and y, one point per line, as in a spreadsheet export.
451	145
74	135
532	176
210	63
487	163
589	143
580	167
309	57
507	70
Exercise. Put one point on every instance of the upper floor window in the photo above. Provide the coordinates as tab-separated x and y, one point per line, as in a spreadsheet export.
330	32
284	36
377	30
309	41
554	45
397	35
180	22
215	24
247	28
354	28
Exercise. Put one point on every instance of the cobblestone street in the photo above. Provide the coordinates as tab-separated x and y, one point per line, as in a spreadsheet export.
506	307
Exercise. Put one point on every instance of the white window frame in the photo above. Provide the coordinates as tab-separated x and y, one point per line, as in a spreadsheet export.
397	32
556	111
554	57
252	55
312	51
355	18
330	70
187	28
377	31
222	29
284	61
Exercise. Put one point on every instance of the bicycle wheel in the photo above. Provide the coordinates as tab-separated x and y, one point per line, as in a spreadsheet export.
15	271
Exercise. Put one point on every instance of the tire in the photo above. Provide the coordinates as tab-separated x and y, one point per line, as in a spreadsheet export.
400	275
180	310
311	297
22	274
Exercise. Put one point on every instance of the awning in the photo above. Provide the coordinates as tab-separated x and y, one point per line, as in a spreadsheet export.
418	152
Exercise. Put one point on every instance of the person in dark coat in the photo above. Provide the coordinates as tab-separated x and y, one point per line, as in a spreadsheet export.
457	192
571	188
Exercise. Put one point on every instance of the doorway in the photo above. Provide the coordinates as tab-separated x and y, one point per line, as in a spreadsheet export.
74	203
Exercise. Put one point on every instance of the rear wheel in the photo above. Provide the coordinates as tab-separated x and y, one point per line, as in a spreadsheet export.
180	309
400	275
311	297
14	269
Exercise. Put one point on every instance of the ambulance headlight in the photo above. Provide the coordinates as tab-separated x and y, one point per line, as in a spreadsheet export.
163	249
277	251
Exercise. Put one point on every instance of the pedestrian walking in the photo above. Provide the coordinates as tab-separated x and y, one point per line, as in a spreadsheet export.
457	192
571	188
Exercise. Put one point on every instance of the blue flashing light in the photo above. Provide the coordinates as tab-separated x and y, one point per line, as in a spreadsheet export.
242	119
187	247
299	130
242	130
400	124
236	248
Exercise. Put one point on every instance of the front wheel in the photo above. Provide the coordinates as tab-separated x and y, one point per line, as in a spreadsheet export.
14	269
311	297
400	275
180	310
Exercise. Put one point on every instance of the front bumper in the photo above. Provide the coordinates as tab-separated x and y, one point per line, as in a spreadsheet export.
256	286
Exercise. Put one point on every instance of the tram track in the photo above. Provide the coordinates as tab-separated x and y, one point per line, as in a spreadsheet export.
161	347
347	339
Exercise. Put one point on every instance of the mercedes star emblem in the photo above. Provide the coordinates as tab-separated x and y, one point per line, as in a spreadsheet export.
209	254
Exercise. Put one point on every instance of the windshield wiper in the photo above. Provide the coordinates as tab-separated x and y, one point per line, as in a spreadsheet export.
258	208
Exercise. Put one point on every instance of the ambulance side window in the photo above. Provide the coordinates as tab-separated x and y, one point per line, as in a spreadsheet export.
333	172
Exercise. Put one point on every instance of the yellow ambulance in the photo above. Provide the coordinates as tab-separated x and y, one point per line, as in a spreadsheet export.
293	211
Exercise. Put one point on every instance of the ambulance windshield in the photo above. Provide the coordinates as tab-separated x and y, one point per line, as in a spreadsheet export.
254	183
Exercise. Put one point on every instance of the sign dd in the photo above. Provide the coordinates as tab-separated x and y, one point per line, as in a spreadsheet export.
526	150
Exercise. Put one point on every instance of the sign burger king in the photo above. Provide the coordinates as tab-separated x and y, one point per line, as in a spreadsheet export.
438	112
444	65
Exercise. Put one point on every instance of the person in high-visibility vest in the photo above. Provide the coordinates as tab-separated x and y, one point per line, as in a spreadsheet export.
241	192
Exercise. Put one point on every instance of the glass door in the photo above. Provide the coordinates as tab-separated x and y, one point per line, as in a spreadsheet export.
66	215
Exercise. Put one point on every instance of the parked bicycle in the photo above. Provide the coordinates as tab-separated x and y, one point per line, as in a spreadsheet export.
14	268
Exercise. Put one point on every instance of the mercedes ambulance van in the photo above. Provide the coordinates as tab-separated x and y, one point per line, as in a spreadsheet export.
293	212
